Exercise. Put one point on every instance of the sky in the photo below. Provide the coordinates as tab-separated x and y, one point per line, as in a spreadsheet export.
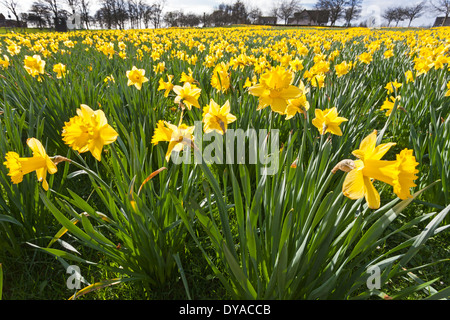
207	6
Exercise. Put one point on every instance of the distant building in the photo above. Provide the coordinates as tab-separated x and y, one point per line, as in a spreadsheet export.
310	18
267	20
439	20
8	23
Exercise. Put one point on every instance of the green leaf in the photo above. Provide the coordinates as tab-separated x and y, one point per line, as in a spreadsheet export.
242	279
424	236
382	223
62	254
1	281
9	219
443	294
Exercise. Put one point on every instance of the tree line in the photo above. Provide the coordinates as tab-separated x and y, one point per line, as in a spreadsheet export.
122	14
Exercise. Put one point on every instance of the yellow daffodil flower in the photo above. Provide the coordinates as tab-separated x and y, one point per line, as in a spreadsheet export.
60	70
188	95
167	86
109	78
365	57
34	65
136	77
176	136
4	63
220	79
88	131
392	86
298	105
187	77
13	49
399	173
409	76
39	162
216	117
342	68
328	121
160	67
388	54
318	80
275	89
389	104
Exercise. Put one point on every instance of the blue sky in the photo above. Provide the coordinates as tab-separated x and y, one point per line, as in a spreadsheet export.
200	6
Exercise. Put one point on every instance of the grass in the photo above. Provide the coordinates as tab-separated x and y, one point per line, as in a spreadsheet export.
4	30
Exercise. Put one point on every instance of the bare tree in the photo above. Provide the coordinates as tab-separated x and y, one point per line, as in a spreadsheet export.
443	7
273	11
353	11
287	8
239	13
336	8
415	11
39	14
133	15
389	15
13	6
113	13
156	13
84	12
53	6
171	18
254	14
146	10
399	15
73	4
